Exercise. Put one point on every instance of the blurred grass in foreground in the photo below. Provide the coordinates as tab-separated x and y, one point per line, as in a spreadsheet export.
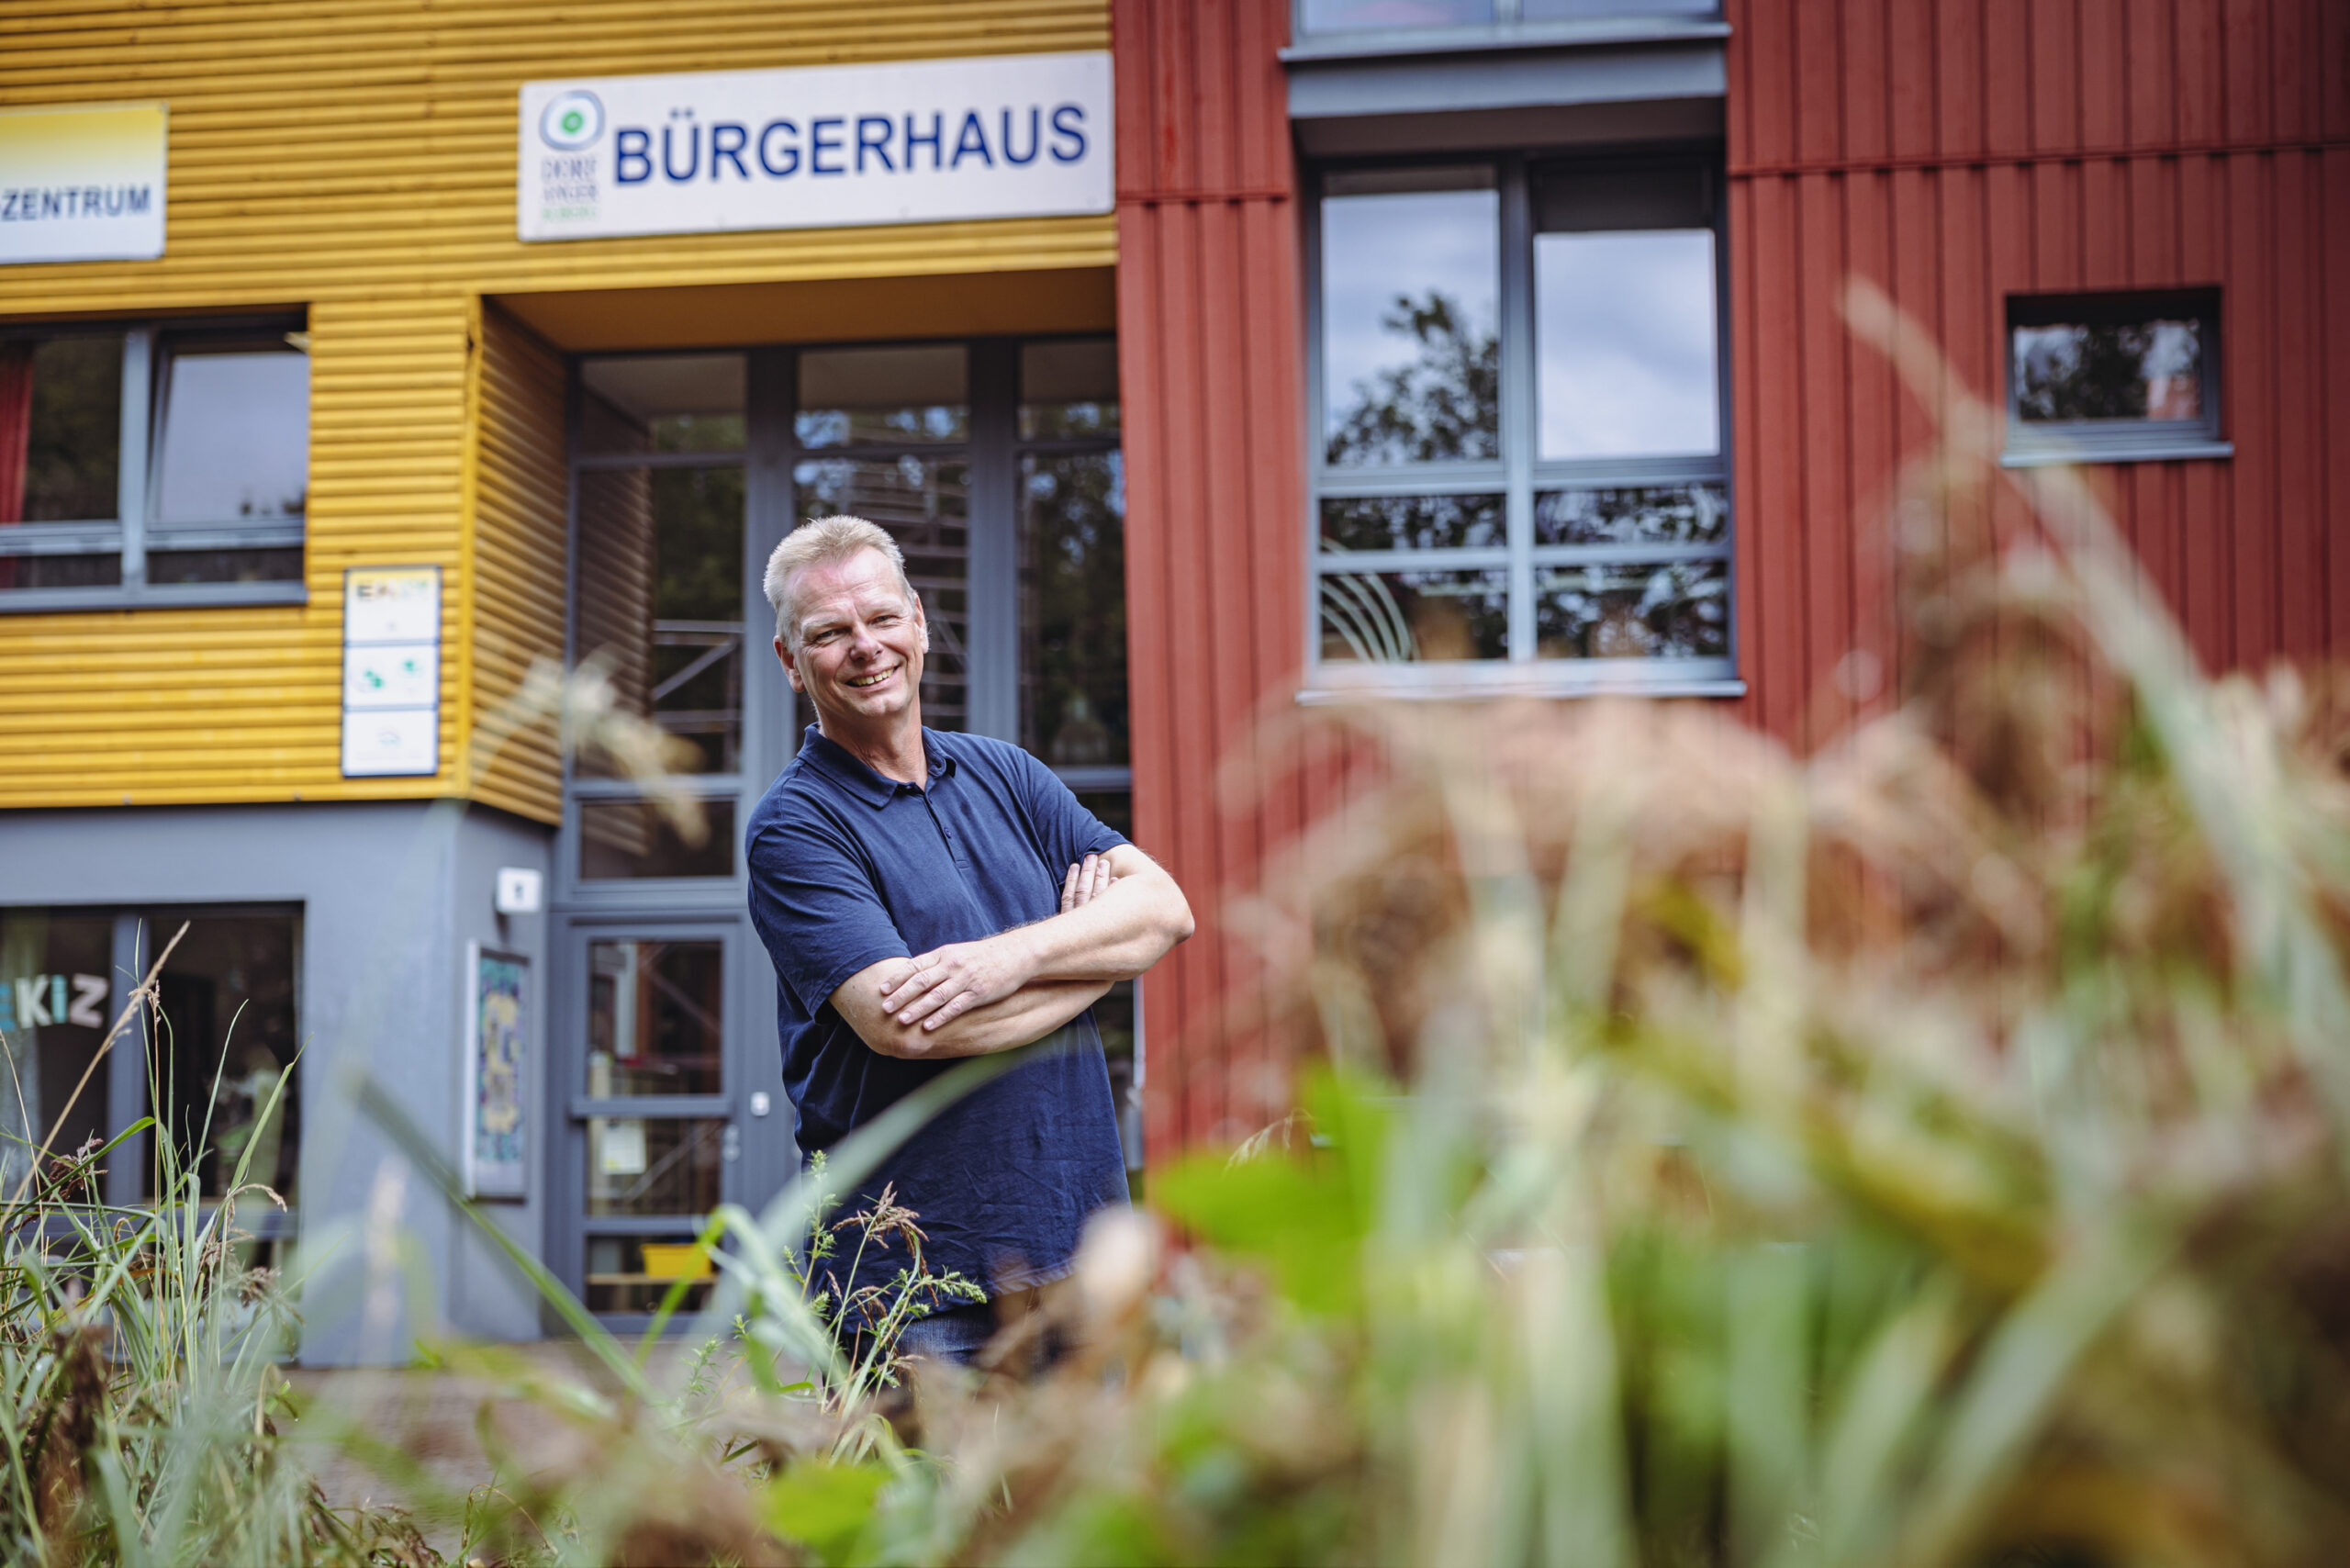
1929	1152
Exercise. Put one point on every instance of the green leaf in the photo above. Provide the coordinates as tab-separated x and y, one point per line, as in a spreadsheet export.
1305	1215
824	1506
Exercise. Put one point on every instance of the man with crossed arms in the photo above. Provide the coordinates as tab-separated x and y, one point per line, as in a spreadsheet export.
925	897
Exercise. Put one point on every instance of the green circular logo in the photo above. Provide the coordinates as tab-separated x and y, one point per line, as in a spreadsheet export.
572	121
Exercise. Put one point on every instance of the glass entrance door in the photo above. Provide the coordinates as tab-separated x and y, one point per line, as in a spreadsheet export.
995	465
656	1138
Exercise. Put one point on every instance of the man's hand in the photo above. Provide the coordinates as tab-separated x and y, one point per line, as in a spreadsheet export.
939	986
1086	879
1030	1013
946	982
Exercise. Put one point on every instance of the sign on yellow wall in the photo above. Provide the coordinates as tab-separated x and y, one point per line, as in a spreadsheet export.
84	184
391	672
817	147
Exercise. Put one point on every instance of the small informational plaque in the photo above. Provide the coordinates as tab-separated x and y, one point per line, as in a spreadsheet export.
391	672
497	1132
82	182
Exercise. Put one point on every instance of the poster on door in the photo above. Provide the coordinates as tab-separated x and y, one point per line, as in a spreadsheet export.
497	1134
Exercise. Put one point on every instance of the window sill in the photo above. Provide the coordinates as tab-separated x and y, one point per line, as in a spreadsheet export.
1549	684
2151	451
179	596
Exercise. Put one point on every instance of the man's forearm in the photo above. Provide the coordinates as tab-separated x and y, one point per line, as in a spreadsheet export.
1028	1014
1103	934
1117	936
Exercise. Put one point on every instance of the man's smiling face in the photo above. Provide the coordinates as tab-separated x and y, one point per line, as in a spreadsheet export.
861	641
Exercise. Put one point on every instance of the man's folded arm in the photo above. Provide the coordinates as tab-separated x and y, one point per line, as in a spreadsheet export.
1119	932
1028	1014
1131	914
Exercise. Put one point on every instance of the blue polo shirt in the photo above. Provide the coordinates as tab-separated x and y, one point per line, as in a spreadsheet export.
848	868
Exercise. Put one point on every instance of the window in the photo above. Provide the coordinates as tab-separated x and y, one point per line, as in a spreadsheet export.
2113	378
995	465
152	465
229	999
885	433
1521	476
660	496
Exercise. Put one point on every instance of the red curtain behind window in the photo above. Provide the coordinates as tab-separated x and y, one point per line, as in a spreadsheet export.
16	435
16	426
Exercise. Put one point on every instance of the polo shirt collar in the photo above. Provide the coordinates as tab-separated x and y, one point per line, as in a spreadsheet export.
860	780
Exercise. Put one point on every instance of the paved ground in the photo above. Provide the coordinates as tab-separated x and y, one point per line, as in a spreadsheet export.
432	1422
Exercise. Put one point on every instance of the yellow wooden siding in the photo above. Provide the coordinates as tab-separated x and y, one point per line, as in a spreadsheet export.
516	572
356	159
156	707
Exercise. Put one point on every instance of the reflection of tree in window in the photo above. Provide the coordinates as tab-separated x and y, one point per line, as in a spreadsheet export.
697	626
1651	514
226	1037
72	429
47	1042
1441	407
1413	522
1073	619
2135	370
1674	610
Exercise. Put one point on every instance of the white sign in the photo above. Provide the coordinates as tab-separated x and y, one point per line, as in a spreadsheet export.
517	890
916	141
391	672
391	604
398	677
621	1150
81	183
395	743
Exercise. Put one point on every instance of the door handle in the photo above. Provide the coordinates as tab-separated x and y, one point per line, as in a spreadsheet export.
730	1145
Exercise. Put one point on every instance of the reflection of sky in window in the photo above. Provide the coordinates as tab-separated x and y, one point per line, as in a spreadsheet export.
1623	337
1376	247
1568	10
2173	351
1323	15
236	436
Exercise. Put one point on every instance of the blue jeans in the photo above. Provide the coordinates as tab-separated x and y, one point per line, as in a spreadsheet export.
957	1335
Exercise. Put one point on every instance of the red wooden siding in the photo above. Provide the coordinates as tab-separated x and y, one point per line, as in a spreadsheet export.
1211	338
1954	151
1957	151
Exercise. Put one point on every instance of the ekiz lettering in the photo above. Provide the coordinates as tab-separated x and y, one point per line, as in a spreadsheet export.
34	1002
34	204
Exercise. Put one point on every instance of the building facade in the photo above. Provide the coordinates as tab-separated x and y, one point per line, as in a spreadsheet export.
1209	357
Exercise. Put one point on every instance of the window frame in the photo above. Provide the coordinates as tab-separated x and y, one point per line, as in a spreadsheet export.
2045	444
134	532
1509	28
1520	473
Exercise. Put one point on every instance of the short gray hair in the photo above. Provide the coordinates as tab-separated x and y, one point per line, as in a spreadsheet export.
825	542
